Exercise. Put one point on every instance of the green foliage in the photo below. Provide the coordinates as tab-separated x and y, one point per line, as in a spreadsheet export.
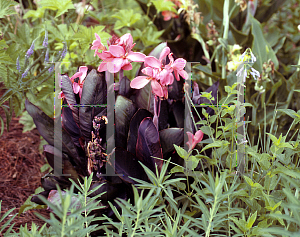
7	223
5	8
61	6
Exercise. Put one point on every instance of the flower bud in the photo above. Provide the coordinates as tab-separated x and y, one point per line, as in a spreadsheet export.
45	42
51	68
47	56
18	65
30	50
25	73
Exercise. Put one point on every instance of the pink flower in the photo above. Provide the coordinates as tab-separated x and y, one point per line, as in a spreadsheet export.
193	140
178	67
164	72
152	75
160	74
77	86
119	55
97	44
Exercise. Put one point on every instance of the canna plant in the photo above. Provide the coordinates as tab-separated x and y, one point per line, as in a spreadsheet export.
147	125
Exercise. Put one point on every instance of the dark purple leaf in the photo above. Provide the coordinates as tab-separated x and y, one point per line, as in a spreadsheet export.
94	93
59	162
148	145
134	127
124	110
124	87
127	165
163	115
67	89
45	126
169	137
37	200
178	111
70	126
50	181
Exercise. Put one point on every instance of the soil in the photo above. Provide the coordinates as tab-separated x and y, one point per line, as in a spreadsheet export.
20	175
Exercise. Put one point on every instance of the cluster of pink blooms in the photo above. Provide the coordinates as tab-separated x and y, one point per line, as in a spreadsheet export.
159	74
120	55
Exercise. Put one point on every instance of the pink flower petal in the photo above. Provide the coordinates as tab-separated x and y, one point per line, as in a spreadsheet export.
115	65
127	67
152	62
166	78
102	67
126	40
136	56
148	71
179	64
105	55
83	70
77	74
198	136
164	53
117	51
183	74
76	87
156	88
139	82
176	75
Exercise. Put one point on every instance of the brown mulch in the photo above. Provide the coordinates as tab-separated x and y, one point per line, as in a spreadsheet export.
20	163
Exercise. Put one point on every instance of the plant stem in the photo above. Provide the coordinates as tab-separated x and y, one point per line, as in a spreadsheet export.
157	103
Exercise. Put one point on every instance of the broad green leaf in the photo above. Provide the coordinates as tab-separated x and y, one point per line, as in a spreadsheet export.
216	144
261	48
263	160
126	18
27	121
181	152
85	35
251	220
35	14
248	180
164	6
191	163
177	169
205	69
242	224
61	6
273	138
274	207
207	130
6	8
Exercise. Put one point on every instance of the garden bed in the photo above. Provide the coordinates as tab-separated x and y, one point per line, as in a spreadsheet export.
19	170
